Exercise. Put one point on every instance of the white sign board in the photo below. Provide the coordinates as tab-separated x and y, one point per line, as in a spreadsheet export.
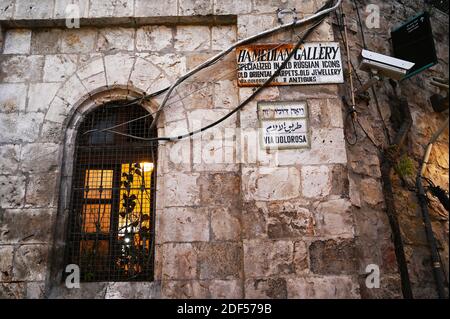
313	63
284	124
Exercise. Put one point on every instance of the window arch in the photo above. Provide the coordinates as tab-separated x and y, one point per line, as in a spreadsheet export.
110	233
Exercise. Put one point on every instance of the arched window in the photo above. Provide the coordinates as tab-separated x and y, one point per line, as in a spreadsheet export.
111	221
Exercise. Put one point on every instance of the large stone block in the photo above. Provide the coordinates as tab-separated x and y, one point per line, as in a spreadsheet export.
9	158
46	41
133	290
33	9
78	40
12	290
185	289
6	263
195	7
221	260
227	7
254	220
115	39
111	8
225	289
249	25
192	38
266	288
263	258
153	38
289	219
316	181
17	41
334	218
21	68
183	225
40	157
150	8
223	37
225	224
372	190
26	225
30	263
118	68
220	189
181	189
269	184
330	287
179	261
59	67
332	257
40	95
17	128
143	74
12	191
13	98
41	191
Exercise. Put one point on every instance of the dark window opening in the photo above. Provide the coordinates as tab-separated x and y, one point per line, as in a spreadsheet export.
111	220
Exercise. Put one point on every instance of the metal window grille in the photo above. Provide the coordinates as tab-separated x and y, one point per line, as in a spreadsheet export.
111	221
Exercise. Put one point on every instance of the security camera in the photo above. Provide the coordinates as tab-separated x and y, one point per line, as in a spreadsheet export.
384	65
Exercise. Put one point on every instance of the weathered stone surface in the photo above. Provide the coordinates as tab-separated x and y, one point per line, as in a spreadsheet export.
254	220
249	25
143	74
12	191
263	258
334	218
232	7
12	290
78	40
46	41
20	127
145	8
63	9
132	290
183	225
340	183
223	37
33	9
60	67
268	184
181	189
17	41
40	157
372	190
220	189
41	191
30	262
221	260
225	289
195	7
266	288
40	96
116	39
6	263
179	261
25	225
225	224
13	97
184	289
118	68
331	257
288	219
35	290
316	181
301	257
6	9
21	68
334	287
111	8
225	94
153	38
192	38
9	158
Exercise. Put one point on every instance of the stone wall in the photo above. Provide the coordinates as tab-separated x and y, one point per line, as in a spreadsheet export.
231	221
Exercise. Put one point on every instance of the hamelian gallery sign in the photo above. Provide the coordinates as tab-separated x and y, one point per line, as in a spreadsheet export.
313	63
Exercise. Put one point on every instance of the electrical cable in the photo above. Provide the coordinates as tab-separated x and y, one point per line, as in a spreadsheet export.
327	8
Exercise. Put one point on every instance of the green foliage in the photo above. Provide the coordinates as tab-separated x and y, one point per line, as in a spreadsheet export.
405	167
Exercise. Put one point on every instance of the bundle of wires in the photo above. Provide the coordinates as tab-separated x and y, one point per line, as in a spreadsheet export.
316	19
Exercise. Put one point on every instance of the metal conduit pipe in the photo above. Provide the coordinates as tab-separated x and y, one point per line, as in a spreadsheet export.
422	197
